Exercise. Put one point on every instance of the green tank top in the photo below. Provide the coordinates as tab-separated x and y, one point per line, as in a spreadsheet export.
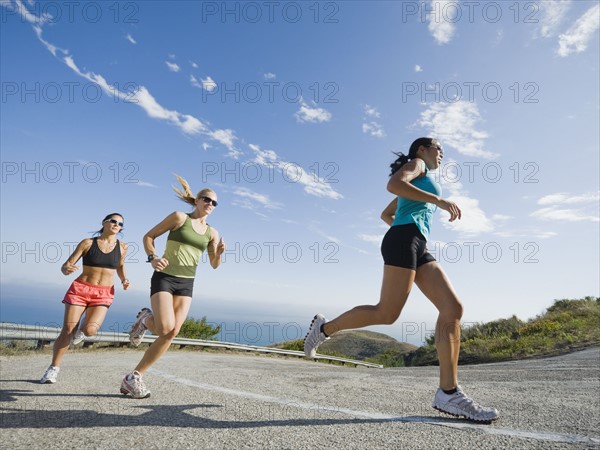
184	248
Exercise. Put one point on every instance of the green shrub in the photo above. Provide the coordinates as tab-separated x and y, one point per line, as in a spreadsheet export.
198	329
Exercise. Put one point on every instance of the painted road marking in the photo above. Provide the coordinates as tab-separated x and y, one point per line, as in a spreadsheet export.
486	429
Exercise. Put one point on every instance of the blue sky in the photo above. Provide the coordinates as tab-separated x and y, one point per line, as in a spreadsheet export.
290	111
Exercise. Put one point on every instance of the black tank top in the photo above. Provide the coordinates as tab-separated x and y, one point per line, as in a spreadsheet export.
97	258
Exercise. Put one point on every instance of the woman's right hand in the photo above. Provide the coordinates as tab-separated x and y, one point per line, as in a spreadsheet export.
451	207
68	269
159	264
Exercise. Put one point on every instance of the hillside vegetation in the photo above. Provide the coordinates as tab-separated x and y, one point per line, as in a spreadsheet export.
360	344
565	326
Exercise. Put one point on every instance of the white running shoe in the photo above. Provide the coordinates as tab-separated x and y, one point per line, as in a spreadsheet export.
50	375
78	337
314	337
460	405
138	330
133	386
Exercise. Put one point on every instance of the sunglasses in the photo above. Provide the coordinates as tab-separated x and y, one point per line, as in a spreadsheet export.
209	200
114	222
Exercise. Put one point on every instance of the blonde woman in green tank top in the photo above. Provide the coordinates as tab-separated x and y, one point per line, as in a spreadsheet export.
173	278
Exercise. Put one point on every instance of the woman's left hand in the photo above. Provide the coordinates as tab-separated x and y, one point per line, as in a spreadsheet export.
125	284
220	247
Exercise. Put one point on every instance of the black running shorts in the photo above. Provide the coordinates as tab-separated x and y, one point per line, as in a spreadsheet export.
405	246
162	282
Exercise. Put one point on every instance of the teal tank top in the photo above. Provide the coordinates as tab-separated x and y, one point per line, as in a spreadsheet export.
419	213
184	248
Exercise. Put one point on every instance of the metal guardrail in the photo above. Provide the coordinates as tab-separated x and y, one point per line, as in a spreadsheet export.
42	334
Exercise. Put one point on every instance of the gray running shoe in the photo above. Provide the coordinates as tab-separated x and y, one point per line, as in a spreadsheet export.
460	405
133	386
50	375
138	330
314	337
78	337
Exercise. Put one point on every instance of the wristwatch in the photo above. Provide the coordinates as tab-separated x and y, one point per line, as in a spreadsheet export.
150	258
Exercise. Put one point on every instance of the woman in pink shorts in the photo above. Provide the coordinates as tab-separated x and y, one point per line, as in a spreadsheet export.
93	291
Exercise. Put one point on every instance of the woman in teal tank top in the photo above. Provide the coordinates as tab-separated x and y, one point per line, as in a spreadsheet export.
407	262
172	282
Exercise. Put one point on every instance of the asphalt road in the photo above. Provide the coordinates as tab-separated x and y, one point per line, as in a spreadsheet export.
234	401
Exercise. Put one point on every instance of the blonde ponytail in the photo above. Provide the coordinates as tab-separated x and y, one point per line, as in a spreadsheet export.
186	194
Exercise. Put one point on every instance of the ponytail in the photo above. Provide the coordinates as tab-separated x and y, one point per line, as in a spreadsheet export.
186	195
412	153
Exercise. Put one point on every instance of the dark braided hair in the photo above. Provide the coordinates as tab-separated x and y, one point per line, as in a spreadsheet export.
412	153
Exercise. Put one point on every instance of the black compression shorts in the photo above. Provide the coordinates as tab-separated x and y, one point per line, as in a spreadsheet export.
162	282
405	246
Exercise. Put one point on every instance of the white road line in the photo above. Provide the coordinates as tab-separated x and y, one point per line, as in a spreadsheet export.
486	429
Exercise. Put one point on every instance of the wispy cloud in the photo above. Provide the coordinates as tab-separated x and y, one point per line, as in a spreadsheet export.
142	97
474	220
187	123
310	114
21	9
578	36
227	138
193	64
371	238
564	215
195	82
145	184
558	210
208	84
269	76
534	233
316	229
440	25
130	38
551	15
566	199
172	66
455	124
371	126
371	111
374	129
249	199
313	184
418	68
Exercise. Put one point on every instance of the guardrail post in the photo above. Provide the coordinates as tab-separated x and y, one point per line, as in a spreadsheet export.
42	344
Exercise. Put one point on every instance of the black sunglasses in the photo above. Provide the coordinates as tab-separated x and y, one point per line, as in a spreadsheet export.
115	222
209	200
